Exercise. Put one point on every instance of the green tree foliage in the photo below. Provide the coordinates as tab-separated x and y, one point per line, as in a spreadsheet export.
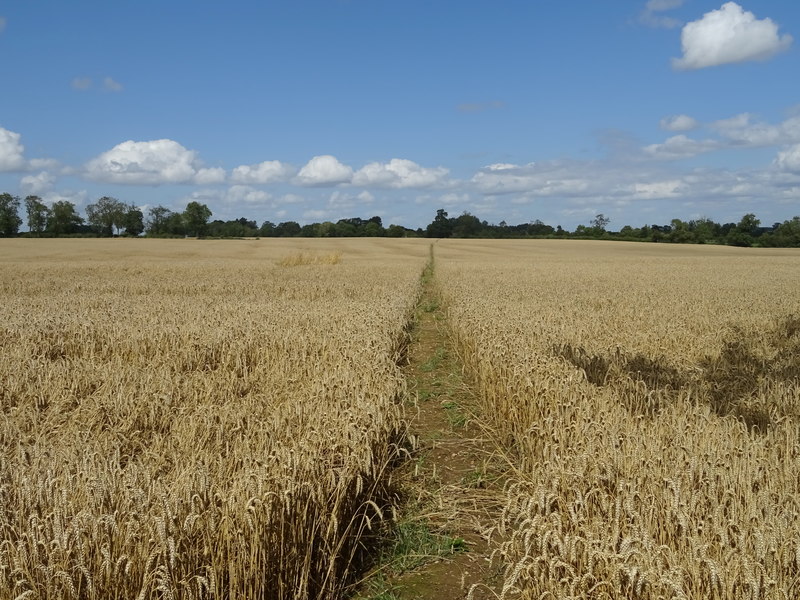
267	229
395	231
37	213
466	225
133	221
105	215
236	228
287	229
599	224
63	219
195	218
9	215
158	219
441	227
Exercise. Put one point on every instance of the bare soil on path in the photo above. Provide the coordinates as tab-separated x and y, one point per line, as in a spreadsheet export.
452	483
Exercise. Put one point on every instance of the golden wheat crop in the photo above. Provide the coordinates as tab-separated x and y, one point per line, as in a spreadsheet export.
648	400
188	419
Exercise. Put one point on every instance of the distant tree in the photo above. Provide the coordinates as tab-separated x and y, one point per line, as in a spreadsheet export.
346	228
105	215
395	231
539	228
63	219
743	233
310	230
157	219
9	215
373	229
600	222
37	214
441	227
704	229
132	221
288	229
267	229
195	218
466	225
787	234
327	229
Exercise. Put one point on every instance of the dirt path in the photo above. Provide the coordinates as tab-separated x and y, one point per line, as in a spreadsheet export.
452	483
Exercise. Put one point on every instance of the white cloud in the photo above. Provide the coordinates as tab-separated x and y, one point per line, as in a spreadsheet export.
503	166
111	85
744	130
315	214
680	146
729	35
78	198
150	163
291	199
238	194
399	173
37	184
678	123
656	189
81	83
268	171
209	176
45	163
789	159
322	171
2	24
11	151
554	178
650	15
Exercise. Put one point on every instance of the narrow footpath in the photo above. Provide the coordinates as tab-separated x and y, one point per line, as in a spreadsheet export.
451	486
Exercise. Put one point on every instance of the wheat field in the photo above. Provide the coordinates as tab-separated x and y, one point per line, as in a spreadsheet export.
647	399
219	420
188	419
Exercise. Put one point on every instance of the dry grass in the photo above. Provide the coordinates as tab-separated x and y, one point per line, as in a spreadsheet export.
188	419
648	399
185	419
310	258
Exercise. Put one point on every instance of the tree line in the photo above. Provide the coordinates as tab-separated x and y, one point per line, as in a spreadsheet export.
109	217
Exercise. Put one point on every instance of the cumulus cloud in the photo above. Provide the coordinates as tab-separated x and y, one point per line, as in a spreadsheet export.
680	146
678	123
322	171
399	173
11	151
745	130
789	159
729	35
205	176
238	194
268	171
652	17
79	198
656	189
111	86
151	163
37	184
554	178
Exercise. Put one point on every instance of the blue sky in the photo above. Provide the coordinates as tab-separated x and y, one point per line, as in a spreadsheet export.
309	111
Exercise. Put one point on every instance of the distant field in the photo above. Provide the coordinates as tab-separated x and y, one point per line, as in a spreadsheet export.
191	419
649	399
203	419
